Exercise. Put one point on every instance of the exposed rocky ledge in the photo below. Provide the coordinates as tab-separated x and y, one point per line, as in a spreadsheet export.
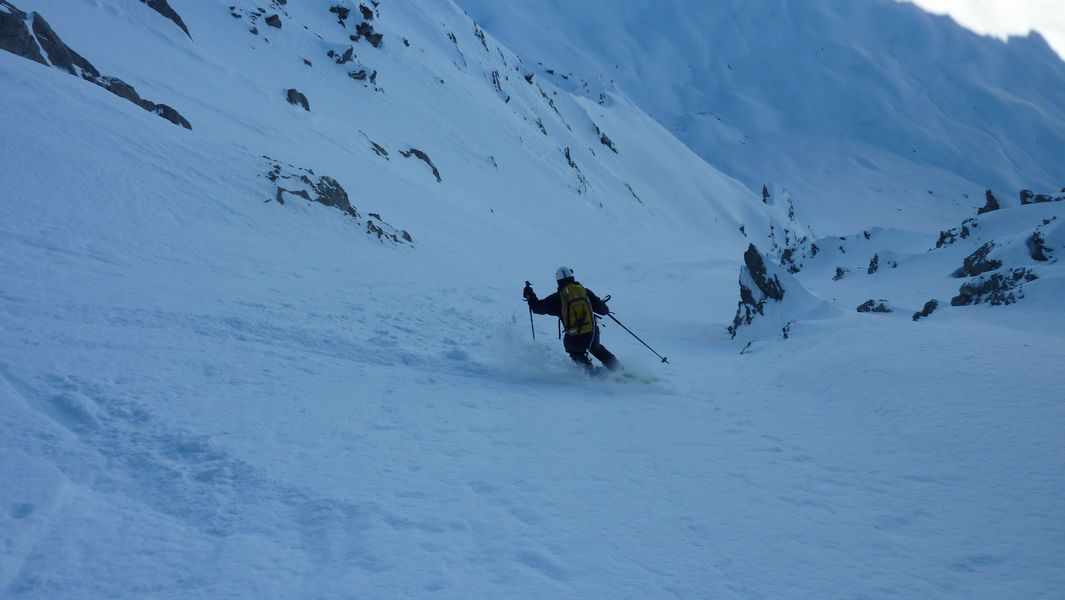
17	37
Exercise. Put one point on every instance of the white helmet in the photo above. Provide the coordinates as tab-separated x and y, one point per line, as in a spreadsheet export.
563	273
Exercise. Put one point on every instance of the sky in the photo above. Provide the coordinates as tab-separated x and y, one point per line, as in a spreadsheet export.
1002	18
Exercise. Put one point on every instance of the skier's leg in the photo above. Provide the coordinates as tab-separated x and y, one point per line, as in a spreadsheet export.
577	348
581	358
605	356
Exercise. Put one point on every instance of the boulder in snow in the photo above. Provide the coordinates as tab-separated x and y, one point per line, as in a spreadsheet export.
771	299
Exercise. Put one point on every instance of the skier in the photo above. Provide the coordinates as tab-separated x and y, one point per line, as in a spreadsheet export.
574	305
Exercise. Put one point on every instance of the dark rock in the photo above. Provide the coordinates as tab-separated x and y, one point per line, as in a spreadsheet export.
606	141
171	115
765	195
358	75
367	14
580	176
874	306
995	289
929	308
529	79
254	31
1040	198
753	299
307	62
379	149
303	183
840	274
15	37
274	21
163	8
950	236
770	287
1026	196
1037	248
365	30
479	34
18	38
424	158
59	54
874	264
347	57
991	203
977	263
341	12
295	97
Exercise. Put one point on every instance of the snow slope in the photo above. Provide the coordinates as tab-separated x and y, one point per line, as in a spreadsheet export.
864	110
206	393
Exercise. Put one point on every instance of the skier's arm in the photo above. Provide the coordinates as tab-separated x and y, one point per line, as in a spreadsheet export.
598	306
547	306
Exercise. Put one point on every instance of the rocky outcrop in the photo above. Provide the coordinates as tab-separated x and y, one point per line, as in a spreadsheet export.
950	236
365	30
416	153
874	306
580	176
273	21
978	262
164	8
290	181
990	203
874	264
296	98
1037	248
929	308
772	300
342	13
995	289
28	41
757	287
1030	197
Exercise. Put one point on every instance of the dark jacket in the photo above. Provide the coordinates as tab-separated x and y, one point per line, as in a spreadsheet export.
552	305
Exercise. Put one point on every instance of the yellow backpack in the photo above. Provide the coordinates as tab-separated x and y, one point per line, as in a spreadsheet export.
577	317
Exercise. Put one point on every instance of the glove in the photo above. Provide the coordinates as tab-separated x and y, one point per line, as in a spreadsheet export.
528	292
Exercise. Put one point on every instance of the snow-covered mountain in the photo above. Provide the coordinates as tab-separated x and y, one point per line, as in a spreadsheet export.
862	110
261	331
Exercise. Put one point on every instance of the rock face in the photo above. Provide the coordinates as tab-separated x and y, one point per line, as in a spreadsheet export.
1037	248
772	300
950	236
978	262
163	8
289	181
990	203
424	158
874	264
295	97
365	29
929	308
16	37
995	289
756	288
874	306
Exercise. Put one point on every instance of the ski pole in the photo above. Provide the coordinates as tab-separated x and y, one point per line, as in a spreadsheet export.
531	325
611	315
